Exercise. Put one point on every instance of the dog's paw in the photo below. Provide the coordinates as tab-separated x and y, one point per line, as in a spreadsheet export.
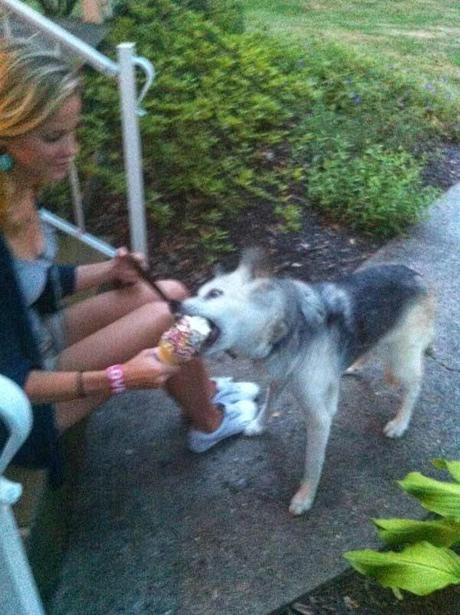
302	501
395	428
254	428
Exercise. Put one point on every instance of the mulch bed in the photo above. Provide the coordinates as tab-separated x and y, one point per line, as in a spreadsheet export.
353	594
320	250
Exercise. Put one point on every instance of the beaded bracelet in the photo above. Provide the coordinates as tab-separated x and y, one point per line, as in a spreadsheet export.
116	378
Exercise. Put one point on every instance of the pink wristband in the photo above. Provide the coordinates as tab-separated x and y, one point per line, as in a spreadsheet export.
116	378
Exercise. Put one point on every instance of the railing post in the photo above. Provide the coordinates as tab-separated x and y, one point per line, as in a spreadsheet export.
18	592
132	146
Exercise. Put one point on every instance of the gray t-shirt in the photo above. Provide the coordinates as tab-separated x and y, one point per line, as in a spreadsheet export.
33	276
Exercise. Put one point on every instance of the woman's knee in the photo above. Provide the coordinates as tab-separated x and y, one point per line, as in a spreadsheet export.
140	293
174	289
150	321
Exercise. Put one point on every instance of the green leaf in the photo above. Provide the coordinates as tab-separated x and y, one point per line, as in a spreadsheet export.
420	569
436	496
453	467
441	533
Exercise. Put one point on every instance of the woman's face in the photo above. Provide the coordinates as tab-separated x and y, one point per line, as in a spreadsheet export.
44	154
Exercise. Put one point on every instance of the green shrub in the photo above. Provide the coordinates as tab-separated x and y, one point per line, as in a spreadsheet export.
235	119
220	108
425	562
376	191
227	14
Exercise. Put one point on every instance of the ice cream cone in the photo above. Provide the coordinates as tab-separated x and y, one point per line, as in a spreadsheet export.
165	354
182	341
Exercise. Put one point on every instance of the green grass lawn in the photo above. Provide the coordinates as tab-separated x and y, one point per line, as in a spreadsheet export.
419	36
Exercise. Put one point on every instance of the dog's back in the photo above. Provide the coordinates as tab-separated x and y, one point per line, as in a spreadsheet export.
368	304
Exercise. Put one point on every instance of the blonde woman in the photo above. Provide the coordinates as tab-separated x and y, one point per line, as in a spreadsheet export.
69	361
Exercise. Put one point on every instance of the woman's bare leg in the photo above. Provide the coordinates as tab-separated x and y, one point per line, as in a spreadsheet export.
193	391
90	315
112	328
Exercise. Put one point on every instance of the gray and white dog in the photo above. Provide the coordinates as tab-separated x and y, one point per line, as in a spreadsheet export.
307	335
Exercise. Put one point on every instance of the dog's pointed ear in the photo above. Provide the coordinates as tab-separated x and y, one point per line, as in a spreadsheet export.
312	307
256	262
279	330
218	270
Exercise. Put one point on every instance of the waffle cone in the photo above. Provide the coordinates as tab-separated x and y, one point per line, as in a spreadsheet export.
183	340
166	354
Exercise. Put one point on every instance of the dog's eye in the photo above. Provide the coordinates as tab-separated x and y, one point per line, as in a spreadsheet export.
213	293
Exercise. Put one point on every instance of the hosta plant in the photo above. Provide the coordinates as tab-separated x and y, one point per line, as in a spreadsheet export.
424	560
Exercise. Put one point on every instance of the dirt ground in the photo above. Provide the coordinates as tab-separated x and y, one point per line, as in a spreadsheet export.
353	594
320	250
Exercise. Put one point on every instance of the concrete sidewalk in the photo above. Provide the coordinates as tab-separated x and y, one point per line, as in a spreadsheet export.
158	530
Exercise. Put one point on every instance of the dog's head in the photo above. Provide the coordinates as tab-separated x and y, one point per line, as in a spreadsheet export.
243	307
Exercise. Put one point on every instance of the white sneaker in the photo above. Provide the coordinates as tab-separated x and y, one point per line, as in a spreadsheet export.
235	418
229	392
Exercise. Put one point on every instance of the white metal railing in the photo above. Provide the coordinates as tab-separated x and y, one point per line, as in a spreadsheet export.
124	72
18	592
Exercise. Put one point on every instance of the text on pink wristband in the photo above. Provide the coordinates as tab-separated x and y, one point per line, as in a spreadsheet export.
116	378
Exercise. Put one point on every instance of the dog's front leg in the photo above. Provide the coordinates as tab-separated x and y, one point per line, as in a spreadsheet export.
319	419
257	426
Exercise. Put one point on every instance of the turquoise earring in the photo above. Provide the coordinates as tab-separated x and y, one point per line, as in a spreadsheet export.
6	163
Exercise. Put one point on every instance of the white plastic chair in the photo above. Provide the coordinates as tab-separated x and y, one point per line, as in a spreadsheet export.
18	592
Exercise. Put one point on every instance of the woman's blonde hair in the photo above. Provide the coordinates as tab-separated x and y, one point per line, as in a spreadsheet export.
34	82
